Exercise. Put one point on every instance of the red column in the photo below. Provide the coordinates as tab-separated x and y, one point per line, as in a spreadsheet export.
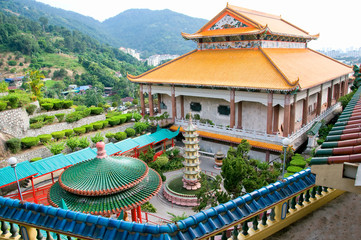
329	97
150	100
232	108
142	104
34	194
239	125
134	215
305	108
52	177
269	112
346	86
276	115
182	106
286	116
174	105
159	101
267	156
172	142
293	117
319	102
342	89
139	213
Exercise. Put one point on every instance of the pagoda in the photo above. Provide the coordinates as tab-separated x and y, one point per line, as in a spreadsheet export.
106	185
191	157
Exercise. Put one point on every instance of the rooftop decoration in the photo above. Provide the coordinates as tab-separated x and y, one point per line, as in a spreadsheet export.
105	185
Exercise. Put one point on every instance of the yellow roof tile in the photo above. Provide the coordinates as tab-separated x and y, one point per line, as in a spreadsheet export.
242	68
311	67
257	144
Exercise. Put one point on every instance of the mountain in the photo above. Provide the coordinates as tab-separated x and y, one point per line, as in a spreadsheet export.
153	31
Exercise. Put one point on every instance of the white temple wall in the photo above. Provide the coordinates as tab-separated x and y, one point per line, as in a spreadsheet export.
254	116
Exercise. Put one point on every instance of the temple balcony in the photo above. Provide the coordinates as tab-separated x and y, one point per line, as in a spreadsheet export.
191	172
191	149
196	141
187	164
193	135
192	157
296	139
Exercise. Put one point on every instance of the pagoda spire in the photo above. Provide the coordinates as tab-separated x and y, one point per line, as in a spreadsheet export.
191	157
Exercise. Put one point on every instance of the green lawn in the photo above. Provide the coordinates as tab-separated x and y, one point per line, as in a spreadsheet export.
63	61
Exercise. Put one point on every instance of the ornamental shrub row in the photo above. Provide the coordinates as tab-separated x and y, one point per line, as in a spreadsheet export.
55	104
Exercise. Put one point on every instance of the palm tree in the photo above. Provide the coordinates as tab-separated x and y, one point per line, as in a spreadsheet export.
35	82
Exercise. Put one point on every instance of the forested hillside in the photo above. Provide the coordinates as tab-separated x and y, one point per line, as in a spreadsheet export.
66	55
151	32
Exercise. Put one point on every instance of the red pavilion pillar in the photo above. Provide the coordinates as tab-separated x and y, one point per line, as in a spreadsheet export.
182	106
142	104
34	194
329	97
269	112
276	116
319	102
139	213
150	100
233	109
134	214
239	122
305	109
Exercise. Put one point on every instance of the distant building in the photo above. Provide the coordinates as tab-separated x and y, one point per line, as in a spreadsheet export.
131	52
155	60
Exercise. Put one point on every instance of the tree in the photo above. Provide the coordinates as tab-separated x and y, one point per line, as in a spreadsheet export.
44	22
210	193
176	218
241	173
35	83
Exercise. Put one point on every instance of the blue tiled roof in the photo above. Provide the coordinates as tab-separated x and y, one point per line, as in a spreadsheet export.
81	155
23	170
50	164
205	222
143	140
126	144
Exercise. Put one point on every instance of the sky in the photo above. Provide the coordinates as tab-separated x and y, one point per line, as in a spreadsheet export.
336	21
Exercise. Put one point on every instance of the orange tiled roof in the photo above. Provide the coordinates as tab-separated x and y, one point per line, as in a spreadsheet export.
256	144
269	69
256	20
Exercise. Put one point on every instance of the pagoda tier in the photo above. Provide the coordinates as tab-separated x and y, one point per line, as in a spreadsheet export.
191	158
105	185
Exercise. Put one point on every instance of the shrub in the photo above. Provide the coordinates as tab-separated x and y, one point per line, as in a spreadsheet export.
110	136
79	130
97	125
36	125
67	104
47	106
105	123
197	116
30	109
83	142
3	105
44	138
140	127
60	116
68	132
148	207
85	112
49	119
97	138
35	159
80	108
14	144
12	63
120	136
72	143
294	169
128	116
122	119
298	163
56	147
288	174
162	160
13	101
73	117
88	127
96	110
28	142
58	135
130	132
114	121
58	104
37	119
137	117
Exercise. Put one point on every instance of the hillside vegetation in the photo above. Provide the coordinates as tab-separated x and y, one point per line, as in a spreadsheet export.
151	32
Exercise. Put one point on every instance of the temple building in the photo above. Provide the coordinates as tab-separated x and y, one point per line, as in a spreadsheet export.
251	77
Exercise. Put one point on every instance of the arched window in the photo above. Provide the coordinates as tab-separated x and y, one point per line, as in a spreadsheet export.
224	110
196	107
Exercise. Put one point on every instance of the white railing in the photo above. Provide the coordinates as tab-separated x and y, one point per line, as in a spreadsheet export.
257	135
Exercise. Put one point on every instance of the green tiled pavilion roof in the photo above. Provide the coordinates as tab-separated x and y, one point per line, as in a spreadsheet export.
103	176
109	204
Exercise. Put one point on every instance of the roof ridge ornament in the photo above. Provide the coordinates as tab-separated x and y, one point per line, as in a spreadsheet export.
101	153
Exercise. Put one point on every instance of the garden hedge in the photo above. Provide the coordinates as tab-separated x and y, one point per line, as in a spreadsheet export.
96	110
67	104
35	159
114	121
36	125
47	106
123	119
58	104
60	116
130	132
298	163
120	136
79	130
88	127
68	132
97	125
58	135
3	105
14	144
49	119
294	169
30	109
44	138
28	142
